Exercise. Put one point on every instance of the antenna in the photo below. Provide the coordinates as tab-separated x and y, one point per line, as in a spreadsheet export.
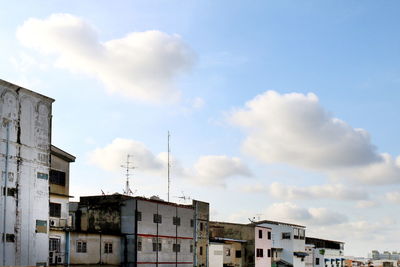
184	198
128	167
169	166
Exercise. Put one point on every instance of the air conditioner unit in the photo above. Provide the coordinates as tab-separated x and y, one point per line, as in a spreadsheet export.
63	223
59	259
54	222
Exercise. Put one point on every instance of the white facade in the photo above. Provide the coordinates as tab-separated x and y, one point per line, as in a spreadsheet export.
216	257
290	238
325	253
26	116
261	241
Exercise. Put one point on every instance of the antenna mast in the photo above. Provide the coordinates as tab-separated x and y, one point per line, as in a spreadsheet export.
128	167
169	166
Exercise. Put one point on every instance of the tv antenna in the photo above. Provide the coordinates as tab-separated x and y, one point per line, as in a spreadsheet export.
168	165
184	198
128	166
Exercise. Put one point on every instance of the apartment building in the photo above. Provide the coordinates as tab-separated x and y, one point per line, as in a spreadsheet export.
59	221
243	244
326	253
118	229
25	139
288	243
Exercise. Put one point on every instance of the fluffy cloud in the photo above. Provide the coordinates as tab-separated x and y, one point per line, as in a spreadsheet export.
141	65
113	155
214	169
207	170
290	212
295	129
366	204
393	197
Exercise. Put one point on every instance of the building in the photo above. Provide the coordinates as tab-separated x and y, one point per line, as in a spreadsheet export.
322	252
244	245
288	243
59	222
25	139
119	229
386	255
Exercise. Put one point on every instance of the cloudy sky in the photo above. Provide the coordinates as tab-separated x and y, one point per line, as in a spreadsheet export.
283	110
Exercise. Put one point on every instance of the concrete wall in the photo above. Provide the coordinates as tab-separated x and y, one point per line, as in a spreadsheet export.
202	218
265	244
28	169
216	254
95	249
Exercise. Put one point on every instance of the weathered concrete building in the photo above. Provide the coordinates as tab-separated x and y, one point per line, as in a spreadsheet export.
245	245
59	222
139	231
322	252
25	138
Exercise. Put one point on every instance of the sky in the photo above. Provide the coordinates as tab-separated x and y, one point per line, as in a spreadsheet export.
278	109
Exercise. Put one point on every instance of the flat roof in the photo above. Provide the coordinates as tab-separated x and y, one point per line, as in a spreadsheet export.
315	238
17	87
62	154
279	223
243	224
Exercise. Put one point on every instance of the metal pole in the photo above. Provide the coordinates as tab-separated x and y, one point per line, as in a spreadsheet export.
7	122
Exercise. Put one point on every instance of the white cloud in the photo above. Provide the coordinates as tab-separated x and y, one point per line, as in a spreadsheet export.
393	197
215	169
141	65
290	212
295	129
207	170
366	204
113	155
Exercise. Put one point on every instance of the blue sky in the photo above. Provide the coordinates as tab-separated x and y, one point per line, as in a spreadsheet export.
299	164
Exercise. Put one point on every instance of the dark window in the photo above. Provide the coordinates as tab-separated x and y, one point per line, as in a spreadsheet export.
11	192
260	253
176	221
269	235
227	252
296	234
316	261
139	245
57	177
285	235
10	238
238	254
157	218
269	253
201	251
55	210
138	215
191	223
54	244
156	246
191	248
201	226
259	233
108	248
176	248
81	246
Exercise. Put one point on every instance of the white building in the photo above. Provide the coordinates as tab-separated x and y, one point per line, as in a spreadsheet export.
25	138
325	253
288	243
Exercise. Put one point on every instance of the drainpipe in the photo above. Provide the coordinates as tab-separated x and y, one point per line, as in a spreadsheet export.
7	124
67	247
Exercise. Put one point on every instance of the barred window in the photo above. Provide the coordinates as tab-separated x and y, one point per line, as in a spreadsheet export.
108	248
81	246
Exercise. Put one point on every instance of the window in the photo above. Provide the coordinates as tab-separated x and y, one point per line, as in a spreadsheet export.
57	177
157	218
285	235
54	244
81	246
41	226
176	248
316	261
191	223
138	216
108	248
302	233
55	210
259	233
269	253
176	221
139	245
156	246
10	238
191	248
238	254
201	226
260	253
201	251
269	235
296	233
227	252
